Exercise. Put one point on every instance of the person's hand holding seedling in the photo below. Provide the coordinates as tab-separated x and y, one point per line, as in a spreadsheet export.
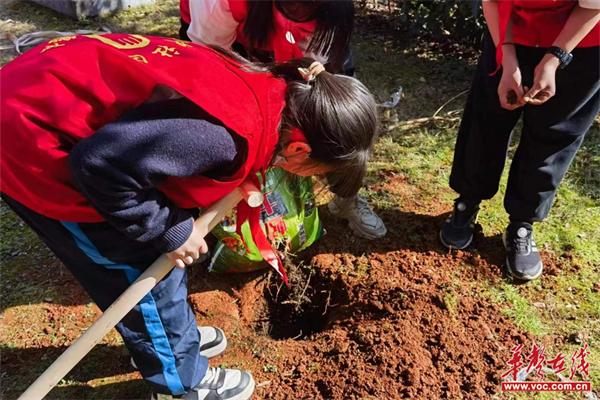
510	89
544	81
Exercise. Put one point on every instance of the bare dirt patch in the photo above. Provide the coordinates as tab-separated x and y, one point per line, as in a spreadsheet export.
369	319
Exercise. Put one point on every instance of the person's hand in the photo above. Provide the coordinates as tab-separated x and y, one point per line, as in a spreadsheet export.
510	89
189	251
544	81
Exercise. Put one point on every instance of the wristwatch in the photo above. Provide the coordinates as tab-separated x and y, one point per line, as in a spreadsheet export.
564	57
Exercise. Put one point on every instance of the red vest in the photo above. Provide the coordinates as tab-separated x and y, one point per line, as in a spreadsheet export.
537	23
284	39
184	11
66	89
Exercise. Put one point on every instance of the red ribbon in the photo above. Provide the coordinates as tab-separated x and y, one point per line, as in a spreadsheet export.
252	215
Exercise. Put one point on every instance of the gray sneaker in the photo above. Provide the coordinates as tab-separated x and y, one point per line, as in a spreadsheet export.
218	384
523	259
361	218
223	384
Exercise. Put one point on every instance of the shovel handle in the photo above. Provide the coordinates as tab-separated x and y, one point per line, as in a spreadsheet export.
130	297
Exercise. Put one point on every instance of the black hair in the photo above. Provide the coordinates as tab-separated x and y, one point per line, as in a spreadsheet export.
336	113
338	116
334	19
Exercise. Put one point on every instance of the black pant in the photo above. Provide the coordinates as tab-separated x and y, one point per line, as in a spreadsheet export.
183	30
551	135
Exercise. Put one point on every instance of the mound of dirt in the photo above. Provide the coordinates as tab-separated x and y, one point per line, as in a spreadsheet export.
405	329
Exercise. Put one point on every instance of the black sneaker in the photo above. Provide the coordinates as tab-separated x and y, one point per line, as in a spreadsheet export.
522	257
457	230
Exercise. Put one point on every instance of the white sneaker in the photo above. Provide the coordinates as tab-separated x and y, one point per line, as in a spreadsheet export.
212	342
218	384
223	384
361	218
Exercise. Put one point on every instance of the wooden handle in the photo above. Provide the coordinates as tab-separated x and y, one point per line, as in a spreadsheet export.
130	297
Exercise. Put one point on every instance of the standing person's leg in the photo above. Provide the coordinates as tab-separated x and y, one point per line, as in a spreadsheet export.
160	331
552	134
480	151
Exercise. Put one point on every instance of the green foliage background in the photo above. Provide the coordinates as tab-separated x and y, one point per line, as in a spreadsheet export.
460	21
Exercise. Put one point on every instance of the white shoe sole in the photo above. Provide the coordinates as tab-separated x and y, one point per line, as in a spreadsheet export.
525	277
217	350
247	393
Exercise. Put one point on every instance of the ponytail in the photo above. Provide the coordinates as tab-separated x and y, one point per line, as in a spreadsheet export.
336	113
338	116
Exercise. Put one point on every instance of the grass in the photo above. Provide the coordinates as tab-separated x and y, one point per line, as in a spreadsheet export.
451	301
421	153
519	309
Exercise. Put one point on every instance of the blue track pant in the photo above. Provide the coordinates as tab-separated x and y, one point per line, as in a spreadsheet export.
160	332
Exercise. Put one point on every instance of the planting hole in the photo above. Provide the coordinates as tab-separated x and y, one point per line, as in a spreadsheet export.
305	308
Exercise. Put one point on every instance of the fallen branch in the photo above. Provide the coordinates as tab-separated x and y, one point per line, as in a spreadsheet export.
296	302
451	116
435	114
412	123
298	335
35	38
327	302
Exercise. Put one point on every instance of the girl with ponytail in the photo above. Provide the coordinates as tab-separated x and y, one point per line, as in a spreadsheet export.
111	142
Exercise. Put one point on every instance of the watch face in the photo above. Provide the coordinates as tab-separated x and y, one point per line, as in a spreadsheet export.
565	59
568	58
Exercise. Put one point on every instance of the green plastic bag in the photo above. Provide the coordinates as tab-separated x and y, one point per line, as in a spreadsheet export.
288	217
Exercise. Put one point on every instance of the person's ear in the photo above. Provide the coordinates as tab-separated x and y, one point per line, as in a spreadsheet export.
294	149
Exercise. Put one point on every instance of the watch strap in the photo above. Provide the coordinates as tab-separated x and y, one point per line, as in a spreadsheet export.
564	57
